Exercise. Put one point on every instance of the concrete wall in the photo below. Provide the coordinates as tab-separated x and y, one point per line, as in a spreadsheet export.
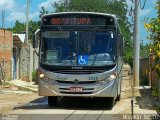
27	62
6	45
24	62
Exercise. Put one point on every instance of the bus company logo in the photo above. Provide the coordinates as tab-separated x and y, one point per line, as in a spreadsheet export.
77	68
61	77
76	81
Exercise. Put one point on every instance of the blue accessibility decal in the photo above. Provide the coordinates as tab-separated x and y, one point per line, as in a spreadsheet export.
82	59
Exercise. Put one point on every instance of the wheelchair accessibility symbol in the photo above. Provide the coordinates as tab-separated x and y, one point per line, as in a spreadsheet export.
82	59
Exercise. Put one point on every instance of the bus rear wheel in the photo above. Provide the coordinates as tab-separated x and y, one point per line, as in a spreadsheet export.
52	100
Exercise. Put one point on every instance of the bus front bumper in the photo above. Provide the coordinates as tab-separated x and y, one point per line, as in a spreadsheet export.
91	90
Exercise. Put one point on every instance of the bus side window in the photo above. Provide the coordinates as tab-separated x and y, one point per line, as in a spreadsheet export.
120	44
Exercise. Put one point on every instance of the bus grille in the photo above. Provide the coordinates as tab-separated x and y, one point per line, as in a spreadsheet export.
79	71
76	92
80	82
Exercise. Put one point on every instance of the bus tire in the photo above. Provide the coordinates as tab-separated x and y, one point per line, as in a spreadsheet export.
118	97
110	102
52	100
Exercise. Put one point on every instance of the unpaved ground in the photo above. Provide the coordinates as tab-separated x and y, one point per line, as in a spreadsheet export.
144	102
11	96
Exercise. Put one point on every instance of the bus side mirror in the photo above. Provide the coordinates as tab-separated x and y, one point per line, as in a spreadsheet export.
36	39
35	45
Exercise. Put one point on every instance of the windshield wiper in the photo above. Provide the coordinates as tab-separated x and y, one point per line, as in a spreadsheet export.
95	57
84	47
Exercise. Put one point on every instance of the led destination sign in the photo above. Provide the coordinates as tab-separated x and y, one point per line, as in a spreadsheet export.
71	21
78	20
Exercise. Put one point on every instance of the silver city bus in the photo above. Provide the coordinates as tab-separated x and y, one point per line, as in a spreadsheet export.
80	55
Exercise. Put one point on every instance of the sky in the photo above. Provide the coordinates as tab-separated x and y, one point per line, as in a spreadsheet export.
16	10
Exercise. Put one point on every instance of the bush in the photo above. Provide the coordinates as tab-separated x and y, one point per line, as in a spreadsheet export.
35	76
144	81
128	58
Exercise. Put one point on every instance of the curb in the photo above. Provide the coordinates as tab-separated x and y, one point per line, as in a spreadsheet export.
23	87
6	109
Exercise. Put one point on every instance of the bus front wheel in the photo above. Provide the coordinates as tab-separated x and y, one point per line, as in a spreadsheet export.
118	97
110	102
52	100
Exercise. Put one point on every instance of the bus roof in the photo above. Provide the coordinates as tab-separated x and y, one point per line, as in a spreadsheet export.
91	13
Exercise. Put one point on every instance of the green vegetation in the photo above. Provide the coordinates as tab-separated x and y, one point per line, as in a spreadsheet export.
34	76
144	81
21	28
158	110
144	50
153	28
43	11
155	92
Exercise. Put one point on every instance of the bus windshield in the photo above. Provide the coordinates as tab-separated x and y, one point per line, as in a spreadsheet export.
78	48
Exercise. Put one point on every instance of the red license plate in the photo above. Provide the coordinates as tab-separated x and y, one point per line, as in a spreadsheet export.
76	89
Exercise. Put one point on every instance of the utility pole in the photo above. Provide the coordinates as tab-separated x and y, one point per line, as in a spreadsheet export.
27	20
3	18
136	39
27	42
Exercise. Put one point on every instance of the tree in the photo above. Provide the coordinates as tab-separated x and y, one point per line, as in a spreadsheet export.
144	50
117	7
43	11
19	27
153	28
33	26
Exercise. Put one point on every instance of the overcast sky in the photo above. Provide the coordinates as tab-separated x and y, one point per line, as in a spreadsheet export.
16	10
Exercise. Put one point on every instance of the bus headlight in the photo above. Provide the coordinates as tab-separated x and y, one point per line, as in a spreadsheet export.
46	80
109	79
112	76
41	75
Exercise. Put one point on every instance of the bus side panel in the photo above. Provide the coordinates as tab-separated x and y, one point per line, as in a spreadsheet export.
44	90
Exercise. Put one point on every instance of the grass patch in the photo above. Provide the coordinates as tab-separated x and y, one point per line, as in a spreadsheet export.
144	81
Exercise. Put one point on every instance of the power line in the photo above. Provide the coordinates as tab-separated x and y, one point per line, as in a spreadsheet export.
142	7
139	4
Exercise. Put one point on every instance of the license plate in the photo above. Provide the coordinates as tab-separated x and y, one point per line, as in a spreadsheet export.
76	89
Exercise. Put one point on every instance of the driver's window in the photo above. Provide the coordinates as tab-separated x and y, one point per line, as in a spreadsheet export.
100	44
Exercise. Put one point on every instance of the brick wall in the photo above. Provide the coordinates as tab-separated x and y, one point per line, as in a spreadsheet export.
6	45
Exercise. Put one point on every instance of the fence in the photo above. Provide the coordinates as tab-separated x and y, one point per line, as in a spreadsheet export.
144	72
154	80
